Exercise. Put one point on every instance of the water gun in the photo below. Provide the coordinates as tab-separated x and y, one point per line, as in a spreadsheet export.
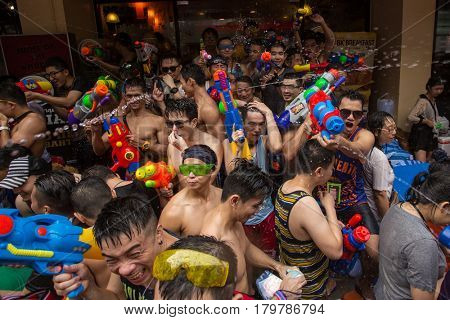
265	63
123	154
322	119
88	103
302	12
205	55
144	53
43	87
233	120
92	52
312	67
42	241
345	60
444	237
156	175
354	241
335	60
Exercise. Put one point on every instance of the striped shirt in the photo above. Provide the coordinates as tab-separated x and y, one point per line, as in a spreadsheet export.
303	254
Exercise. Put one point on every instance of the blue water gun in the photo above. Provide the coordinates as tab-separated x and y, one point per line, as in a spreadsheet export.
43	241
444	237
233	120
355	239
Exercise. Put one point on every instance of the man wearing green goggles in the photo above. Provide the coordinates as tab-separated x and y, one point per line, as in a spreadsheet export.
184	213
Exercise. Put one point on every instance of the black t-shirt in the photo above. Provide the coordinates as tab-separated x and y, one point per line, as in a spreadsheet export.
137	188
134	292
271	95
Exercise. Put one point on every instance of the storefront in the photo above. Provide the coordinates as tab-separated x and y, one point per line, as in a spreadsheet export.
181	22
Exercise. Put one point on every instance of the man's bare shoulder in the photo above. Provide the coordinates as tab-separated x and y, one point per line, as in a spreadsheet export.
209	140
153	118
33	121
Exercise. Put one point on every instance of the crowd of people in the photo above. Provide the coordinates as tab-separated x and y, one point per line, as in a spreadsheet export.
226	217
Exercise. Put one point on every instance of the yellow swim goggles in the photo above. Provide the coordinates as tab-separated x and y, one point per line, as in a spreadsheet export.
202	270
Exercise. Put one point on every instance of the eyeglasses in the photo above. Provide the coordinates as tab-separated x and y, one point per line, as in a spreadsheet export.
226	47
201	269
52	74
345	113
196	169
390	130
177	123
288	87
167	69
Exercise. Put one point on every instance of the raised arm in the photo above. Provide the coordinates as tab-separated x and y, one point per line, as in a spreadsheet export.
273	142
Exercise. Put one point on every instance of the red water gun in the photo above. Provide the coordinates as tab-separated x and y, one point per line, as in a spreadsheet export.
156	175
123	154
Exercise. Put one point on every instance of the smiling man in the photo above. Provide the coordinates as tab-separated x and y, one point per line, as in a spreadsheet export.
184	213
130	238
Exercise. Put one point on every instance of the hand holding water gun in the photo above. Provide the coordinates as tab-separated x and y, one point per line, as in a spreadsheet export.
301	13
90	51
233	120
44	242
156	175
265	63
88	103
31	85
123	154
203	54
355	239
324	116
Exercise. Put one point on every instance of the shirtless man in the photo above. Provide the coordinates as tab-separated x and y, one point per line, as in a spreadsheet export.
147	130
182	119
26	124
193	83
243	194
185	211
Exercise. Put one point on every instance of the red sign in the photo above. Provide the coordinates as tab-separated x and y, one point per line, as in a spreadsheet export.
26	55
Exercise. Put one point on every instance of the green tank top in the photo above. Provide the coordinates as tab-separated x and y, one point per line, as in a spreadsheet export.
303	254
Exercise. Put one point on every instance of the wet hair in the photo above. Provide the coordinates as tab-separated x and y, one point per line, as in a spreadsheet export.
210	30
99	171
434	81
215	60
376	121
257	42
181	288
245	79
184	106
352	95
201	152
195	72
57	63
89	196
247	181
10	92
430	188
293	76
129	216
134	83
245	110
443	165
312	156
169	56
309	35
278	44
54	189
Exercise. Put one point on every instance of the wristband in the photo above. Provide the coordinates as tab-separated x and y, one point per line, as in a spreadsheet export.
279	295
4	128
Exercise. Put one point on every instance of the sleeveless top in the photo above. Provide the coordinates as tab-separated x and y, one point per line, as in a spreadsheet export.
260	159
136	292
349	173
303	254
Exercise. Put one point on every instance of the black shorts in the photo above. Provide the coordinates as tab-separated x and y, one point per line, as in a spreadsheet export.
422	138
369	220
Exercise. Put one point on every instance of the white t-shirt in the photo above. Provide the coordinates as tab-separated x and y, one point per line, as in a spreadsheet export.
378	175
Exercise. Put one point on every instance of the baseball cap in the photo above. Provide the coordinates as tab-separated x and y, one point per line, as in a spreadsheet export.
20	169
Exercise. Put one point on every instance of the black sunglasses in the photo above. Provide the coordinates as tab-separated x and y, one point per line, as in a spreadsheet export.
177	123
166	69
345	113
